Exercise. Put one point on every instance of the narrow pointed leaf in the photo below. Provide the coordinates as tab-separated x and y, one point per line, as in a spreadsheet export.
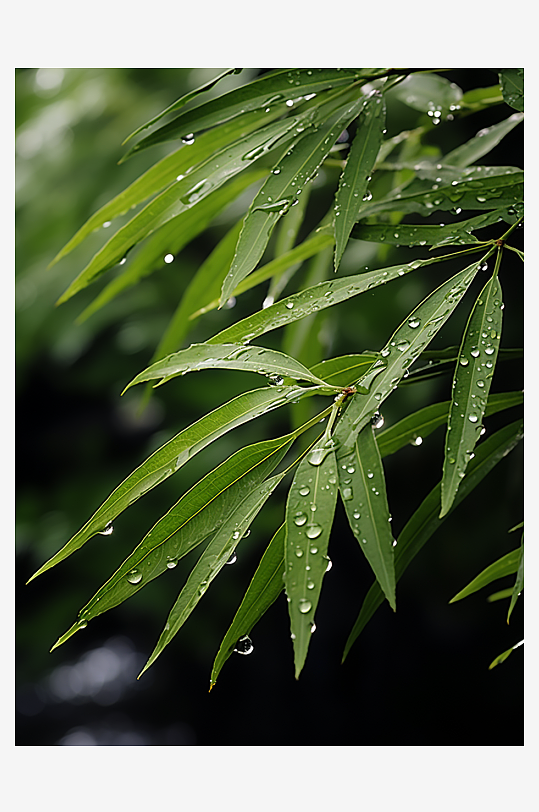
356	174
415	427
500	596
181	102
262	592
345	369
309	517
519	582
167	170
226	356
482	143
441	362
293	171
403	348
512	82
171	239
363	491
471	386
504	655
261	94
480	97
212	561
173	455
311	300
426	520
179	197
506	565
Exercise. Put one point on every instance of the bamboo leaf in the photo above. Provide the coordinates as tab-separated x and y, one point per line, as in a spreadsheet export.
519	582
356	174
500	596
481	97
293	171
402	349
439	363
261	94
415	427
504	655
171	239
471	386
173	455
168	170
309	517
363	491
506	565
345	369
483	142
262	592
312	299
179	197
212	561
426	520
419	89
512	82
272	364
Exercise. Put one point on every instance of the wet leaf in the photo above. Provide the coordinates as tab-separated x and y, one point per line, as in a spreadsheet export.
471	386
262	592
356	174
309	517
512	82
459	233
212	561
426	520
482	143
506	565
363	492
419	89
504	655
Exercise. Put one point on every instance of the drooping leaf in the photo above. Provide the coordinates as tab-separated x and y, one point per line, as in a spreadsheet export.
482	143
309	517
415	427
261	94
272	364
171	239
504	655
471	386
512	82
506	565
180	196
402	349
293	171
363	491
519	582
169	170
173	455
426	520
310	300
459	233
428	93
212	561
262	592
356	174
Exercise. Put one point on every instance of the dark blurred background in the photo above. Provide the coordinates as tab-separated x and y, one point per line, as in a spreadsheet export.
417	677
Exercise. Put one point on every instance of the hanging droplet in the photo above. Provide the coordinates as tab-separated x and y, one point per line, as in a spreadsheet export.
377	420
416	440
233	558
244	645
107	529
275	380
330	564
313	626
304	606
313	531
134	577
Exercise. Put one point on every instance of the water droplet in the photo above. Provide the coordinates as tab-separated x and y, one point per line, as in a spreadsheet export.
483	431
233	558
363	541
247	533
480	384
330	564
313	626
134	577
318	455
472	418
416	440
171	563
489	349
275	380
313	531
464	362
370	475
304	606
168	258
107	529
377	420
299	553
289	305
350	469
313	550
474	352
304	491
367	196
347	493
300	519
385	352
356	514
310	584
107	224
413	323
244	645
188	139
82	624
236	534
403	345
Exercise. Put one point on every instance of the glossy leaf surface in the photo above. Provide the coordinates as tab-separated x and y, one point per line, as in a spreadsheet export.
419	89
459	233
345	369
506	565
482	143
512	82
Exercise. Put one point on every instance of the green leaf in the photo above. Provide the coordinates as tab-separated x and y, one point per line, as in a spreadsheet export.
502	657
173	455
419	90
415	427
506	565
481	97
167	171
274	88
272	364
402	349
296	167
312	299
171	239
519	582
512	82
439	365
262	592
212	561
500	596
356	174
345	369
518	526
459	233
426	520
309	517
471	386
179	197
363	491
482	143
181	102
